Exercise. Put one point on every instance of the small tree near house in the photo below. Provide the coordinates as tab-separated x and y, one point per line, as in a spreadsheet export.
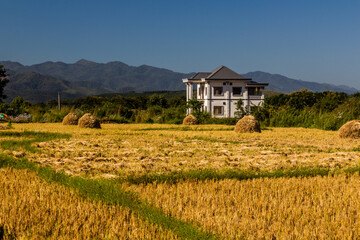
241	111
196	108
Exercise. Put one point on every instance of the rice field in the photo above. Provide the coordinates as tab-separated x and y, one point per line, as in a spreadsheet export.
32	208
209	198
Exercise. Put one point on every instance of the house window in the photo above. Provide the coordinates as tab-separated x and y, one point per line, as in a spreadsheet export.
237	90
218	110
254	91
218	91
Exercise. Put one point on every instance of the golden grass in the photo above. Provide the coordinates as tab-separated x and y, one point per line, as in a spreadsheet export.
283	208
123	150
31	208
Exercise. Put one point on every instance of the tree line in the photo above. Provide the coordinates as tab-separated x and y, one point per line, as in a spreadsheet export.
324	110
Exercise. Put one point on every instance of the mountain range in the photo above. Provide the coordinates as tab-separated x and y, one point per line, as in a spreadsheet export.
41	82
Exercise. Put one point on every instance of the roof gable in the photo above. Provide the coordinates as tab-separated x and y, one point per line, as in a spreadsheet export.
225	73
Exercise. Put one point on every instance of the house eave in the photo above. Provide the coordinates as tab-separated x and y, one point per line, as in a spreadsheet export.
257	84
230	79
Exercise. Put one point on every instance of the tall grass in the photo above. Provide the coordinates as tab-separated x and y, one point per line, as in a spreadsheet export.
322	207
31	208
99	190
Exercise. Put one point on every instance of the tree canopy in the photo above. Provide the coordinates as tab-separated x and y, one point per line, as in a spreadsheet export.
3	81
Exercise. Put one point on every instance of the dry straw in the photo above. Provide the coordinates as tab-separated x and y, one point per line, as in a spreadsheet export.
350	129
4	127
89	121
190	120
70	119
247	124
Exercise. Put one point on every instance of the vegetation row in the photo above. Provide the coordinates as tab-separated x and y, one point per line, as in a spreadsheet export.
322	110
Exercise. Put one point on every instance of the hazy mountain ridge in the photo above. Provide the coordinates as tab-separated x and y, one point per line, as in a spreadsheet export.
41	82
284	84
35	87
112	76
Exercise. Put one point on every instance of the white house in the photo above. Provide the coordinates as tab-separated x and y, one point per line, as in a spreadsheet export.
220	90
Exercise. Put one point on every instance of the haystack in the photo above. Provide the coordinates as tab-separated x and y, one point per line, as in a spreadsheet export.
247	124
190	120
70	119
4	127
89	121
350	129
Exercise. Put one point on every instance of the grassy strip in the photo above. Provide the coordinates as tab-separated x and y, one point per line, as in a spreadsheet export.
206	174
185	129
110	193
212	140
27	144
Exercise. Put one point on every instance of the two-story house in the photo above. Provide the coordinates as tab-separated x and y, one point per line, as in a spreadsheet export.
221	89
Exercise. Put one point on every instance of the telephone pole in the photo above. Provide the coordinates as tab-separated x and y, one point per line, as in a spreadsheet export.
59	104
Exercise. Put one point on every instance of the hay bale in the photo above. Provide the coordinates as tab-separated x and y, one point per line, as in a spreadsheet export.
70	119
247	124
190	120
89	121
350	129
4	127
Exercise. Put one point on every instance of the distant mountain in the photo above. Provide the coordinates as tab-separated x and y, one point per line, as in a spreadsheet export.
35	87
284	84
113	76
41	82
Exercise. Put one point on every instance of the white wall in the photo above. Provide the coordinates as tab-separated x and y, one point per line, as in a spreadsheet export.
227	97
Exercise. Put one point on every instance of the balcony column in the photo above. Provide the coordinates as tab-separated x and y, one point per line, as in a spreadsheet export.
189	95
246	99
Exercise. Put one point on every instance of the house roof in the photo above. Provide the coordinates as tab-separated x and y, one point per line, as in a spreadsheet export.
226	73
220	73
199	75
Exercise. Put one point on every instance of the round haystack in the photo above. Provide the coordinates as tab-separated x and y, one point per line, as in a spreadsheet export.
70	119
89	121
350	129
247	124
190	120
4	127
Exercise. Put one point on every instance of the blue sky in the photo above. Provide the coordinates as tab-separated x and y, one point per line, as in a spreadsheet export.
308	40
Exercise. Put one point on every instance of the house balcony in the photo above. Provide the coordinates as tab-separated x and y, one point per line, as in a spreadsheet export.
255	97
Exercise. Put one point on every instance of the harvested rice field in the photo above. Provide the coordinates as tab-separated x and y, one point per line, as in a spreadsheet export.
122	150
151	181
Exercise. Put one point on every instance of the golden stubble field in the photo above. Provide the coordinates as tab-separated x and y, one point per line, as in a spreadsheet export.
270	208
120	150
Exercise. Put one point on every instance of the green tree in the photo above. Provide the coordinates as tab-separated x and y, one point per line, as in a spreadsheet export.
3	81
195	105
157	100
18	106
300	99
241	111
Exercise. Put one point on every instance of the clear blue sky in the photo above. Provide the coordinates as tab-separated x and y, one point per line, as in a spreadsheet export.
308	40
